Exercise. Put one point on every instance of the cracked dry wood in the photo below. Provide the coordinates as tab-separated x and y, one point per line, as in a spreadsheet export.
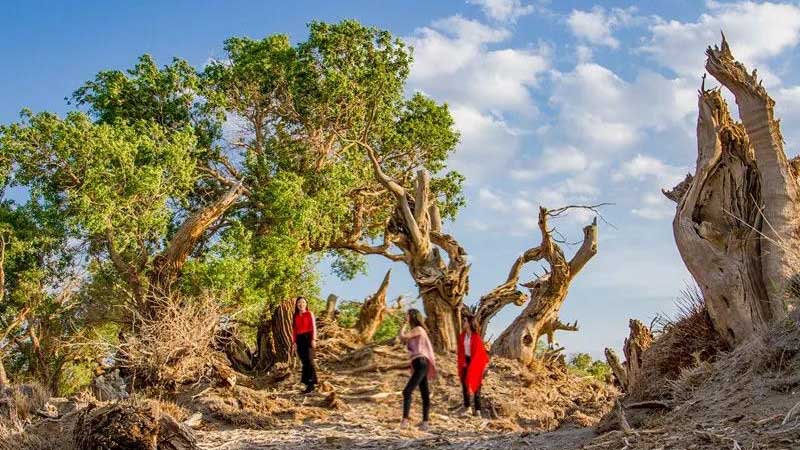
372	311
737	224
547	293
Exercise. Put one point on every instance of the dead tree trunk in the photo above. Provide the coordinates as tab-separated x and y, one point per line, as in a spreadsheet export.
415	228
617	368
547	293
372	311
330	307
737	224
273	342
638	341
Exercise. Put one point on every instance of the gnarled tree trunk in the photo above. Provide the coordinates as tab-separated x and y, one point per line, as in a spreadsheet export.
415	228
737	224
547	294
273	342
372	311
150	283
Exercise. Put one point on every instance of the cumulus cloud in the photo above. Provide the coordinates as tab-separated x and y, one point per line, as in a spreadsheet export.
597	25
756	32
453	62
600	110
553	160
487	143
654	207
456	60
643	167
503	10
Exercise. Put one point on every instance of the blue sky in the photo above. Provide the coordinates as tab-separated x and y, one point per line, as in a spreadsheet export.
558	102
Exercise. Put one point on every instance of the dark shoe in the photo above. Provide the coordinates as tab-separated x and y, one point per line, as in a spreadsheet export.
309	389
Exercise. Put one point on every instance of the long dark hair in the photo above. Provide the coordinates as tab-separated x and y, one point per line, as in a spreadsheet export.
415	319
297	303
473	324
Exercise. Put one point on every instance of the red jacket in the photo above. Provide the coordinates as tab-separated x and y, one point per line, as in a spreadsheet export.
304	323
477	364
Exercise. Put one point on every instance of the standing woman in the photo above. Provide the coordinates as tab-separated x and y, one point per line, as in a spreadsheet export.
304	337
423	365
472	362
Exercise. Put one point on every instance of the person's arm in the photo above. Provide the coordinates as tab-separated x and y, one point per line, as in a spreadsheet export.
294	331
416	331
402	331
313	330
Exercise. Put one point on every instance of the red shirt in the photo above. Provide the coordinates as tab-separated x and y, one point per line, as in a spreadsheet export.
304	323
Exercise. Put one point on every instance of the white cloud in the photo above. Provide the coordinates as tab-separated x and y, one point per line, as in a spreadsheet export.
655	207
478	225
452	62
599	110
643	167
487	143
503	10
491	200
756	32
597	26
553	160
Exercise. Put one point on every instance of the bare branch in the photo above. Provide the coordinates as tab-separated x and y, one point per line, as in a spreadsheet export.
587	251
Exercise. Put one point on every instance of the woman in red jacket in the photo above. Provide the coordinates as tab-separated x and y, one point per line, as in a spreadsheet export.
472	362
304	337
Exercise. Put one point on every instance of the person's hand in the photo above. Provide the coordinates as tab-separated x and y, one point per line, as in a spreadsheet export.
314	343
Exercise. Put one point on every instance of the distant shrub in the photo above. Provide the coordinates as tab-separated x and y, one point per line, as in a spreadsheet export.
583	364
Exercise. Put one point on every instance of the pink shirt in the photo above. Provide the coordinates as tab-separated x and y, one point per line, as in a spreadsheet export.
420	346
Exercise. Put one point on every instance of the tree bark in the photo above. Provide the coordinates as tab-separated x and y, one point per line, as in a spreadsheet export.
167	266
330	307
3	376
617	368
639	340
415	228
547	294
737	224
372	311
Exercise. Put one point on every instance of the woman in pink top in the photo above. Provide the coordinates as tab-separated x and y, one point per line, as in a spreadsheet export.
423	365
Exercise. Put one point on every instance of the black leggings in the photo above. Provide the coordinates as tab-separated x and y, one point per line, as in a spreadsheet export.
419	377
306	354
477	396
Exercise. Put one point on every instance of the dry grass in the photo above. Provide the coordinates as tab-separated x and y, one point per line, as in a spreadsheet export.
18	406
682	342
177	347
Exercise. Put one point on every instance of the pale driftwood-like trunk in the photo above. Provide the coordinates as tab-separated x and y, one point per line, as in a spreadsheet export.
638	341
330	307
617	368
415	228
737	224
372	311
547	293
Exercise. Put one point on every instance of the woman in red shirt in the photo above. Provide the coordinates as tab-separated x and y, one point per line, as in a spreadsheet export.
304	337
472	362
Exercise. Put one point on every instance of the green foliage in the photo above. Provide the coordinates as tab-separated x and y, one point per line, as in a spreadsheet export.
390	326
111	182
105	177
582	364
392	321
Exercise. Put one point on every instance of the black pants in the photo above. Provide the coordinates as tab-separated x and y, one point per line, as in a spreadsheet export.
477	396
306	354
419	377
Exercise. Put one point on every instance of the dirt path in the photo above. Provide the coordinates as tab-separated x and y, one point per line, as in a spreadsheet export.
338	436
